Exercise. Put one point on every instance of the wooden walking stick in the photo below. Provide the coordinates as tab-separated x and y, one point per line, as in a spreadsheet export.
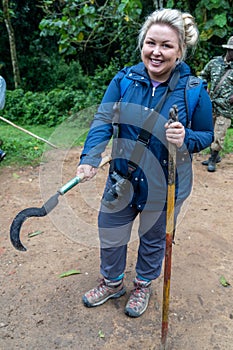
170	229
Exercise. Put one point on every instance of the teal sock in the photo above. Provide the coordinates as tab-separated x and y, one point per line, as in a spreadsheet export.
139	277
114	282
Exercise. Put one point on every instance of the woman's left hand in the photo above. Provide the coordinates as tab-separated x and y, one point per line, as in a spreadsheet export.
175	133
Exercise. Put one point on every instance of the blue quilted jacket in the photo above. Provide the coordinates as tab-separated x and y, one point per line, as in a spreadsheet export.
149	180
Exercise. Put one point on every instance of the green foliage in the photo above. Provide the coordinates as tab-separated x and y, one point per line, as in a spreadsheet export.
74	93
25	18
91	33
79	23
45	73
97	84
93	30
212	18
40	107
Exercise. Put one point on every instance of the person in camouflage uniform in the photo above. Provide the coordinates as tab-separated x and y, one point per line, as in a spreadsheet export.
219	74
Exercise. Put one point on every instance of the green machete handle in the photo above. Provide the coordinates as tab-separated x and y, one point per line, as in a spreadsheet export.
70	184
73	182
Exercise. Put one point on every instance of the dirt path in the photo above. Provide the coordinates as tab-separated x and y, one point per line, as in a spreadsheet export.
39	310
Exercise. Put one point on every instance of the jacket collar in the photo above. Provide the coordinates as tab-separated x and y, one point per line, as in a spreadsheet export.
139	72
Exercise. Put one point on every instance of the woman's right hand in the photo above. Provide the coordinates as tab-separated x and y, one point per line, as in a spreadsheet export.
87	170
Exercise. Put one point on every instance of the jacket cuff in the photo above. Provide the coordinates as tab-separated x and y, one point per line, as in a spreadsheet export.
86	159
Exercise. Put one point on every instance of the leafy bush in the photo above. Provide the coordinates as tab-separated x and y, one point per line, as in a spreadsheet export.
73	94
97	84
45	73
70	75
38	107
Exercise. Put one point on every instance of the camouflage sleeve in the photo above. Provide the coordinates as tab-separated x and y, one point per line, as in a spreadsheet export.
205	73
223	106
221	100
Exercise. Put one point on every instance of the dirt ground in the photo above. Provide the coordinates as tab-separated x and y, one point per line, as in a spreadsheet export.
39	310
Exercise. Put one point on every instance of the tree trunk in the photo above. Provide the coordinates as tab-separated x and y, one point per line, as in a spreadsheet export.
11	36
158	4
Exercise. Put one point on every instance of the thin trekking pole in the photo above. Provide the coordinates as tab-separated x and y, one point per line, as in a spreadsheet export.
170	229
27	132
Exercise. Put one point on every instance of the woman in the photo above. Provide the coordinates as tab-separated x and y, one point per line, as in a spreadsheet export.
139	187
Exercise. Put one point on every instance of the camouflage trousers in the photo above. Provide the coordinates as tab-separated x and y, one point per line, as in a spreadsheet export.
221	124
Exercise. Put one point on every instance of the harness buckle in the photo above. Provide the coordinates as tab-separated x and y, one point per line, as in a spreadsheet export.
144	141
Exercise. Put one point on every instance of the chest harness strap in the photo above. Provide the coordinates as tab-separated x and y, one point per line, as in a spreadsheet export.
145	133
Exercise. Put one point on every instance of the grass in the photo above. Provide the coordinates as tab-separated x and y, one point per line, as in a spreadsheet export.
23	149
228	144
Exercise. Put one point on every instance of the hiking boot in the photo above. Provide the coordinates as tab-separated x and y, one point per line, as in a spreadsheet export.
139	298
105	290
206	162
213	161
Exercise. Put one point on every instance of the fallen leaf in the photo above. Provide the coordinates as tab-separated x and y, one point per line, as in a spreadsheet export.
16	176
36	233
101	334
224	282
69	273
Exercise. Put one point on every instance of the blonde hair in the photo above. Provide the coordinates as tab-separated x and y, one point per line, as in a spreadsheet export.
183	23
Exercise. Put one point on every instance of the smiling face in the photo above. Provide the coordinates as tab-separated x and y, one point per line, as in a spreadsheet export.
160	51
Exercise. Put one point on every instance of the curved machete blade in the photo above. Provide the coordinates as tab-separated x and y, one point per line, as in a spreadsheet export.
44	210
24	215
